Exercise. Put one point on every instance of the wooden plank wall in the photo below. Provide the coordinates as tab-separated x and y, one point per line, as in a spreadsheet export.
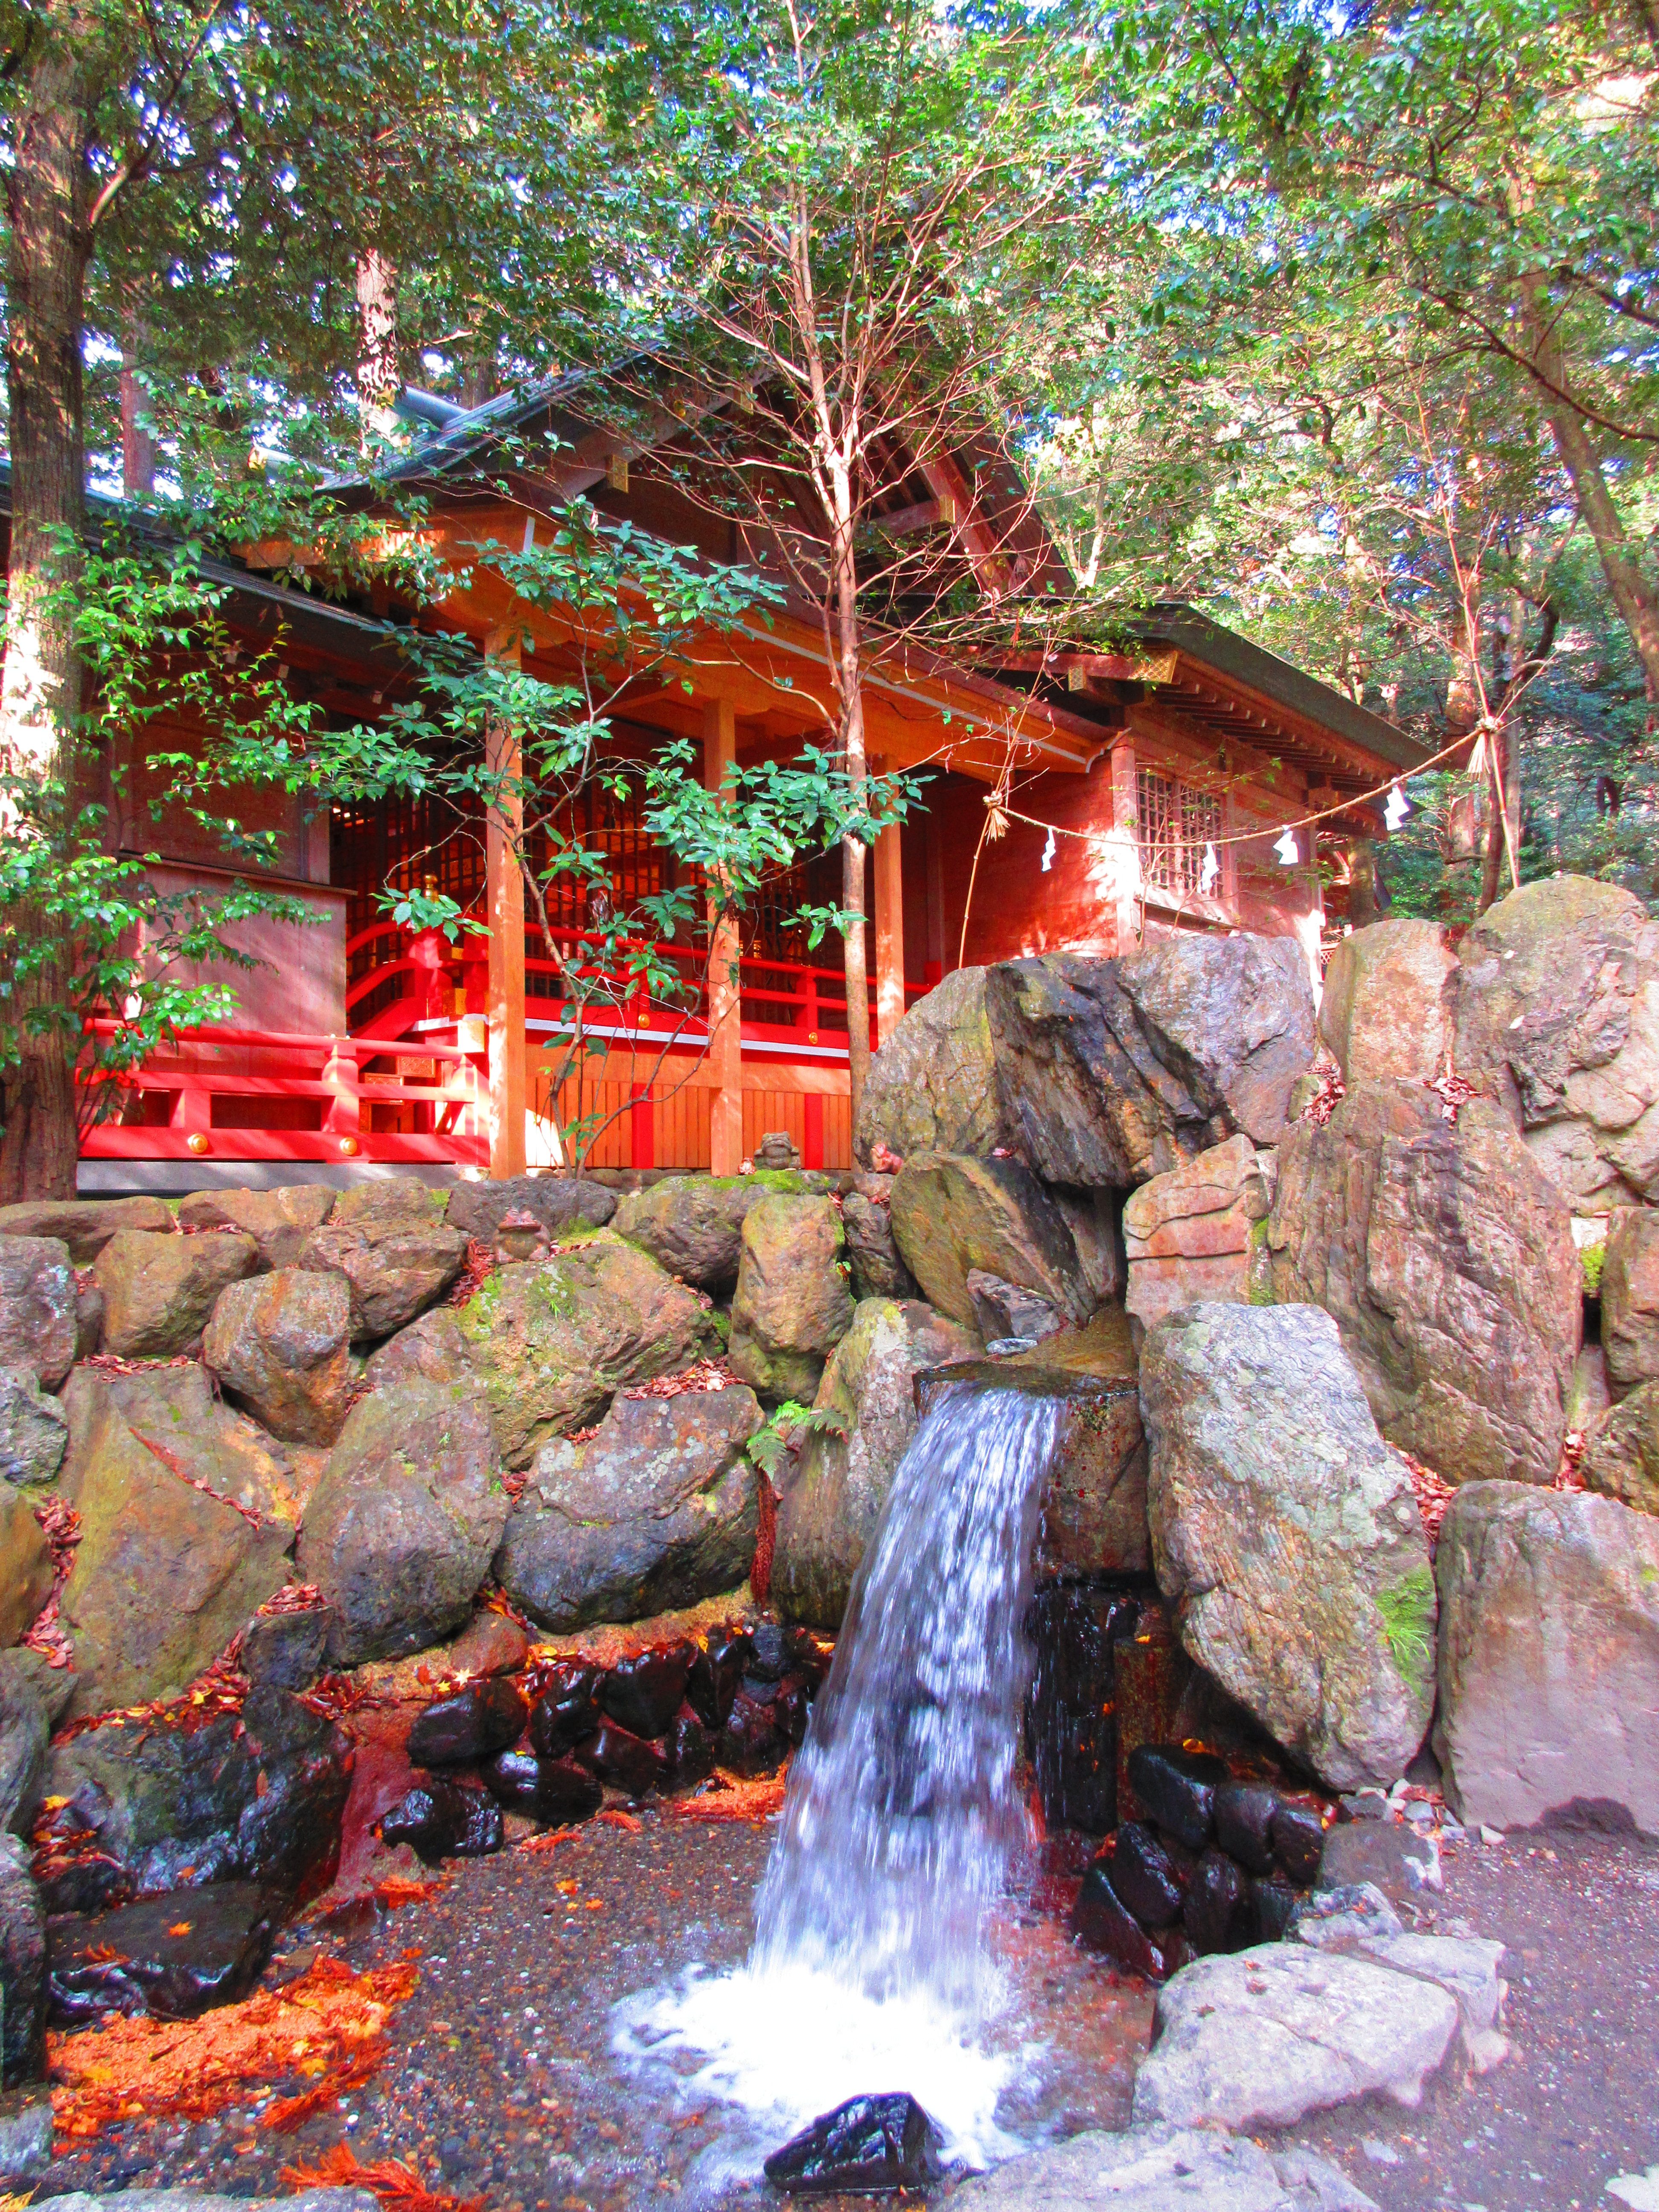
681	1127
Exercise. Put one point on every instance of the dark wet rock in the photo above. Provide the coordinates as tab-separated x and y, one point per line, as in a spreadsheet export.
792	1306
441	1820
691	1750
659	1509
769	1660
26	1719
550	1344
484	1717
173	1956
398	1254
1106	1923
287	1651
718	1667
625	1760
567	1711
158	1808
1445	1255
1298	1841
164	1574
878	1271
85	1225
794	1708
834	1489
751	1743
491	1644
1273	1903
401	1529
1244	1813
953	1215
885	2142
22	1967
279	1221
559	1204
1144	1876
692	1224
1071	1721
933	1086
809	1653
34	1429
643	1692
557	1791
159	1292
36	1308
1216	1914
281	1344
1286	1535
25	1569
1177	1788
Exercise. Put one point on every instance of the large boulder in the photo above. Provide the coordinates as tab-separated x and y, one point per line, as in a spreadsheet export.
791	1307
1549	1657
1622	1458
1386	1010
1187	1235
32	1693
390	1243
85	1225
559	1203
436	1346
1287	1536
1114	1070
281	1344
1447	1259
25	1569
953	1215
34	1429
279	1221
932	1088
175	1410
22	1967
659	1509
36	1308
1557	1015
140	1811
1161	2169
878	1271
552	1341
164	1575
401	1529
1630	1298
159	1292
692	1224
833	1497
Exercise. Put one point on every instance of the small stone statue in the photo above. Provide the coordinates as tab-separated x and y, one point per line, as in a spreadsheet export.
519	1235
776	1149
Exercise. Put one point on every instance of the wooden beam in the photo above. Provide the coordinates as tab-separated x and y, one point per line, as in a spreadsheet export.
926	515
504	894
720	752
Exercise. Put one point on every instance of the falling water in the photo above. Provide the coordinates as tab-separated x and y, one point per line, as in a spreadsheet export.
868	1969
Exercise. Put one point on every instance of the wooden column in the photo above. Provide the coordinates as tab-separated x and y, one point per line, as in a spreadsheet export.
504	900
719	751
889	934
1126	832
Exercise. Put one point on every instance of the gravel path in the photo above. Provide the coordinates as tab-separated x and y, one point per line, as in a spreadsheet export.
504	2082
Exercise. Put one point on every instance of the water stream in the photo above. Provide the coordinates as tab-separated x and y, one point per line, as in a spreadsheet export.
870	1970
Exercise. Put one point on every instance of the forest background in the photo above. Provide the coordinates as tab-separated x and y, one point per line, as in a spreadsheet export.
1337	321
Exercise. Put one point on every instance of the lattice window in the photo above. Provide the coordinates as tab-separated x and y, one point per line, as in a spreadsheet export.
1176	823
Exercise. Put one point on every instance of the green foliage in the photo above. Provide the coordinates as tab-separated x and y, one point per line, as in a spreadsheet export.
1406	1611
1591	1260
785	1427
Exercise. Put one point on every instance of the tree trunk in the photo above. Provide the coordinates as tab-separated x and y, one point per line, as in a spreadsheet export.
379	378
1503	817
1631	593
855	964
138	446
40	683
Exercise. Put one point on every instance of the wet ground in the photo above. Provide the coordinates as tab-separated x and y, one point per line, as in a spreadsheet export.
504	2082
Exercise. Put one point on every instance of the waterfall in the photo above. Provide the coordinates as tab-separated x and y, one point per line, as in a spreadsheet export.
868	1970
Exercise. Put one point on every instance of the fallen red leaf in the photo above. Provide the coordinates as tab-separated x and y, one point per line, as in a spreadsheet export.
395	2182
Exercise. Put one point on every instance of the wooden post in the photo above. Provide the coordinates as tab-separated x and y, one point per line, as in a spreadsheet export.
719	751
1125	833
889	934
504	894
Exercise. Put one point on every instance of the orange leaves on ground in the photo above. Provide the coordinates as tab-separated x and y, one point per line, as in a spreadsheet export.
396	2183
328	2026
60	1524
549	1839
735	1801
293	1597
706	1375
1434	1495
619	1819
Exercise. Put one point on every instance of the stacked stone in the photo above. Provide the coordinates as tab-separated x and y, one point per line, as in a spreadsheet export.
1217	1863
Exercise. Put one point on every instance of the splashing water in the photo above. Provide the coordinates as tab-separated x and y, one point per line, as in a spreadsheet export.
869	1971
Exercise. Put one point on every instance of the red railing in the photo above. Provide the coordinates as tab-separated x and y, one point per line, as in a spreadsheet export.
276	1094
